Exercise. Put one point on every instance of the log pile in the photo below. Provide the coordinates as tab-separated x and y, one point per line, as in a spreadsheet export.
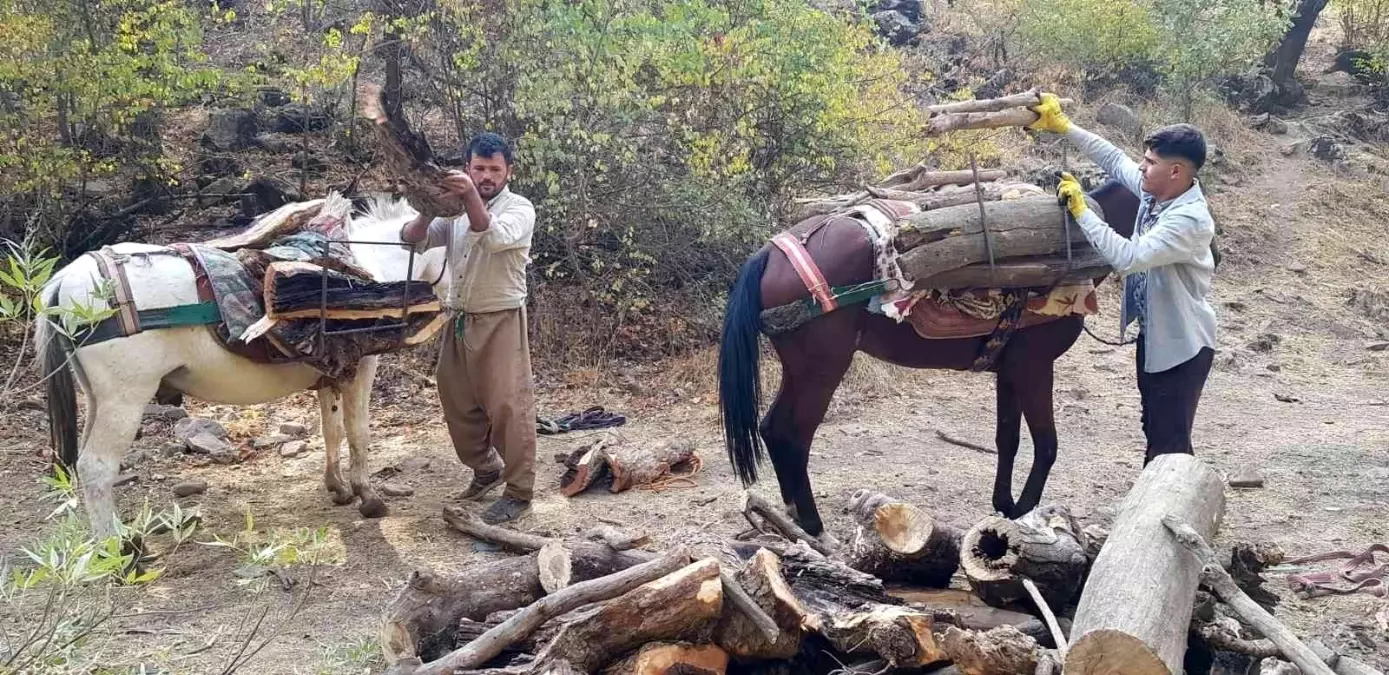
1005	597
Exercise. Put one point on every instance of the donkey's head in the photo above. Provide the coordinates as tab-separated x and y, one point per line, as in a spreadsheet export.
381	221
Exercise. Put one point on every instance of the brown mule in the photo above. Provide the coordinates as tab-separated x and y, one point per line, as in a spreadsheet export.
815	356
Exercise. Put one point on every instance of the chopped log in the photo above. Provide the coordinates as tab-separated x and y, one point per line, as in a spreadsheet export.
928	179
755	504
672	658
896	541
616	539
966	610
948	122
556	566
294	290
1142	628
680	605
586	465
408	157
491	643
1044	546
268	227
739	635
1247	563
421	619
945	239
1086	265
1001	651
903	637
1026	99
634	465
1217	579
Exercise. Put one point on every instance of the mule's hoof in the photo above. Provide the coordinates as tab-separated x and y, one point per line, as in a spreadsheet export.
372	507
342	497
1005	508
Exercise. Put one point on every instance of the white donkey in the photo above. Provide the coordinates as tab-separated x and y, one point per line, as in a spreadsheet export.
121	375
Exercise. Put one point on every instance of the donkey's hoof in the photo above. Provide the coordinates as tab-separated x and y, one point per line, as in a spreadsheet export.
342	497
372	507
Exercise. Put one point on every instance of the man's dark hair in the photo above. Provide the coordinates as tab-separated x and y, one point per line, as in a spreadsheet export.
486	145
1178	141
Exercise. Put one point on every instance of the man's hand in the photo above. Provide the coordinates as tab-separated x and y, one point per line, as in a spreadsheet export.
1049	116
1070	193
459	185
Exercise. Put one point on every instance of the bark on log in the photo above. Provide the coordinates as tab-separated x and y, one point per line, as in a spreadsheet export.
678	606
634	465
1217	579
740	636
672	658
524	622
896	541
1001	651
929	179
1141	627
1247	563
1026	99
947	239
422	618
294	290
586	466
1023	272
944	124
966	610
1044	546
903	637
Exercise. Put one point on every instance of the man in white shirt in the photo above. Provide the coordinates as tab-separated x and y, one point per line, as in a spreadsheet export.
1167	266
484	371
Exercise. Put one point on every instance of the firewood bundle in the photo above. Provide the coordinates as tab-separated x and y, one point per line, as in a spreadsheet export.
1005	597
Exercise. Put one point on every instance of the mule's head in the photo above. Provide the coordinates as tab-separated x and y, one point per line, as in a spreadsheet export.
382	221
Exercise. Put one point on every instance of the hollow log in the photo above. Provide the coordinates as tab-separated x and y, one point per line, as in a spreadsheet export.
945	239
634	465
1044	546
739	635
1135	611
671	658
896	541
421	620
679	606
1000	651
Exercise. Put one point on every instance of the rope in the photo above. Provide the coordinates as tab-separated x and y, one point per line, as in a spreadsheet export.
672	480
1123	343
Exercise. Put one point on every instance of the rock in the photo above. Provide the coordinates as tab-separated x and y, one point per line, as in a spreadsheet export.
135	459
1247	479
1338	84
192	426
172	449
230	131
275	143
297	118
1326	149
267	194
207	444
224	190
189	488
293	429
293	448
271	441
1296	268
169	413
1268	123
271	97
125	479
1358	63
1378	346
396	490
1120	117
416	464
895	27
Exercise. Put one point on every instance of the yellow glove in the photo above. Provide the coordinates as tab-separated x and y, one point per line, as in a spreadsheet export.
1049	116
1070	193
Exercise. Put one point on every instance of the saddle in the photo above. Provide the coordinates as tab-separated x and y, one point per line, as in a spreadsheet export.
947	315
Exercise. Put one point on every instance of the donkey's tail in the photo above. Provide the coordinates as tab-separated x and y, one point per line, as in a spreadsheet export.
62	389
740	385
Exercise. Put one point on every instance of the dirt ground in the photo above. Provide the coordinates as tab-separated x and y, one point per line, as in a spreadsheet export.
1297	396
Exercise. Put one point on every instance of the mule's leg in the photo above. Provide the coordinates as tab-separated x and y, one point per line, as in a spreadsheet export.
356	399
1035	394
810	372
114	411
330	411
1007	434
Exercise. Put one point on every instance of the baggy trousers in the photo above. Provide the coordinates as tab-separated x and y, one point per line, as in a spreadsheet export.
488	395
1169	401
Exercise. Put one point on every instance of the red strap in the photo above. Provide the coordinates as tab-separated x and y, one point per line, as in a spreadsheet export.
806	268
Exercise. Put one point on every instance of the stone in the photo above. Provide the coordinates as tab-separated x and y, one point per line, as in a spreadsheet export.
230	130
171	413
895	27
293	448
227	189
396	490
272	97
271	441
125	479
1120	117
275	143
1338	84
135	459
293	429
1269	123
189	488
192	426
1326	149
265	194
1247	479
297	118
413	464
207	444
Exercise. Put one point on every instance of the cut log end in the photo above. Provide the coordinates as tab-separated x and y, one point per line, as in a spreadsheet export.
988	552
556	568
903	527
672	659
1105	652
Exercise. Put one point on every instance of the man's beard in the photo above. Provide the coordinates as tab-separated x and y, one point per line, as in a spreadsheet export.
489	191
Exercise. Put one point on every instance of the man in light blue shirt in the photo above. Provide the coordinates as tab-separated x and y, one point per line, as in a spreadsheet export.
1167	266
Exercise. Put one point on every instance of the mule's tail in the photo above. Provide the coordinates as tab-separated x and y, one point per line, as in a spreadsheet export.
62	389
740	383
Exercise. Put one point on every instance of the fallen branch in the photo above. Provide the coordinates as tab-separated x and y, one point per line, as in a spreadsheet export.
520	542
1052	625
1218	580
755	504
1026	99
964	444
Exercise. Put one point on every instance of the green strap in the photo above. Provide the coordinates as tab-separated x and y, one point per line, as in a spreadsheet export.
848	295
166	317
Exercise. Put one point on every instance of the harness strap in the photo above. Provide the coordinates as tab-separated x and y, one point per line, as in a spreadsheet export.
112	266
1008	323
807	270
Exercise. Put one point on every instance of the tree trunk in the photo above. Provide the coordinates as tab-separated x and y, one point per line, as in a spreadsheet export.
1001	651
1141	627
739	636
421	620
896	541
1290	50
1044	546
681	605
671	658
947	239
